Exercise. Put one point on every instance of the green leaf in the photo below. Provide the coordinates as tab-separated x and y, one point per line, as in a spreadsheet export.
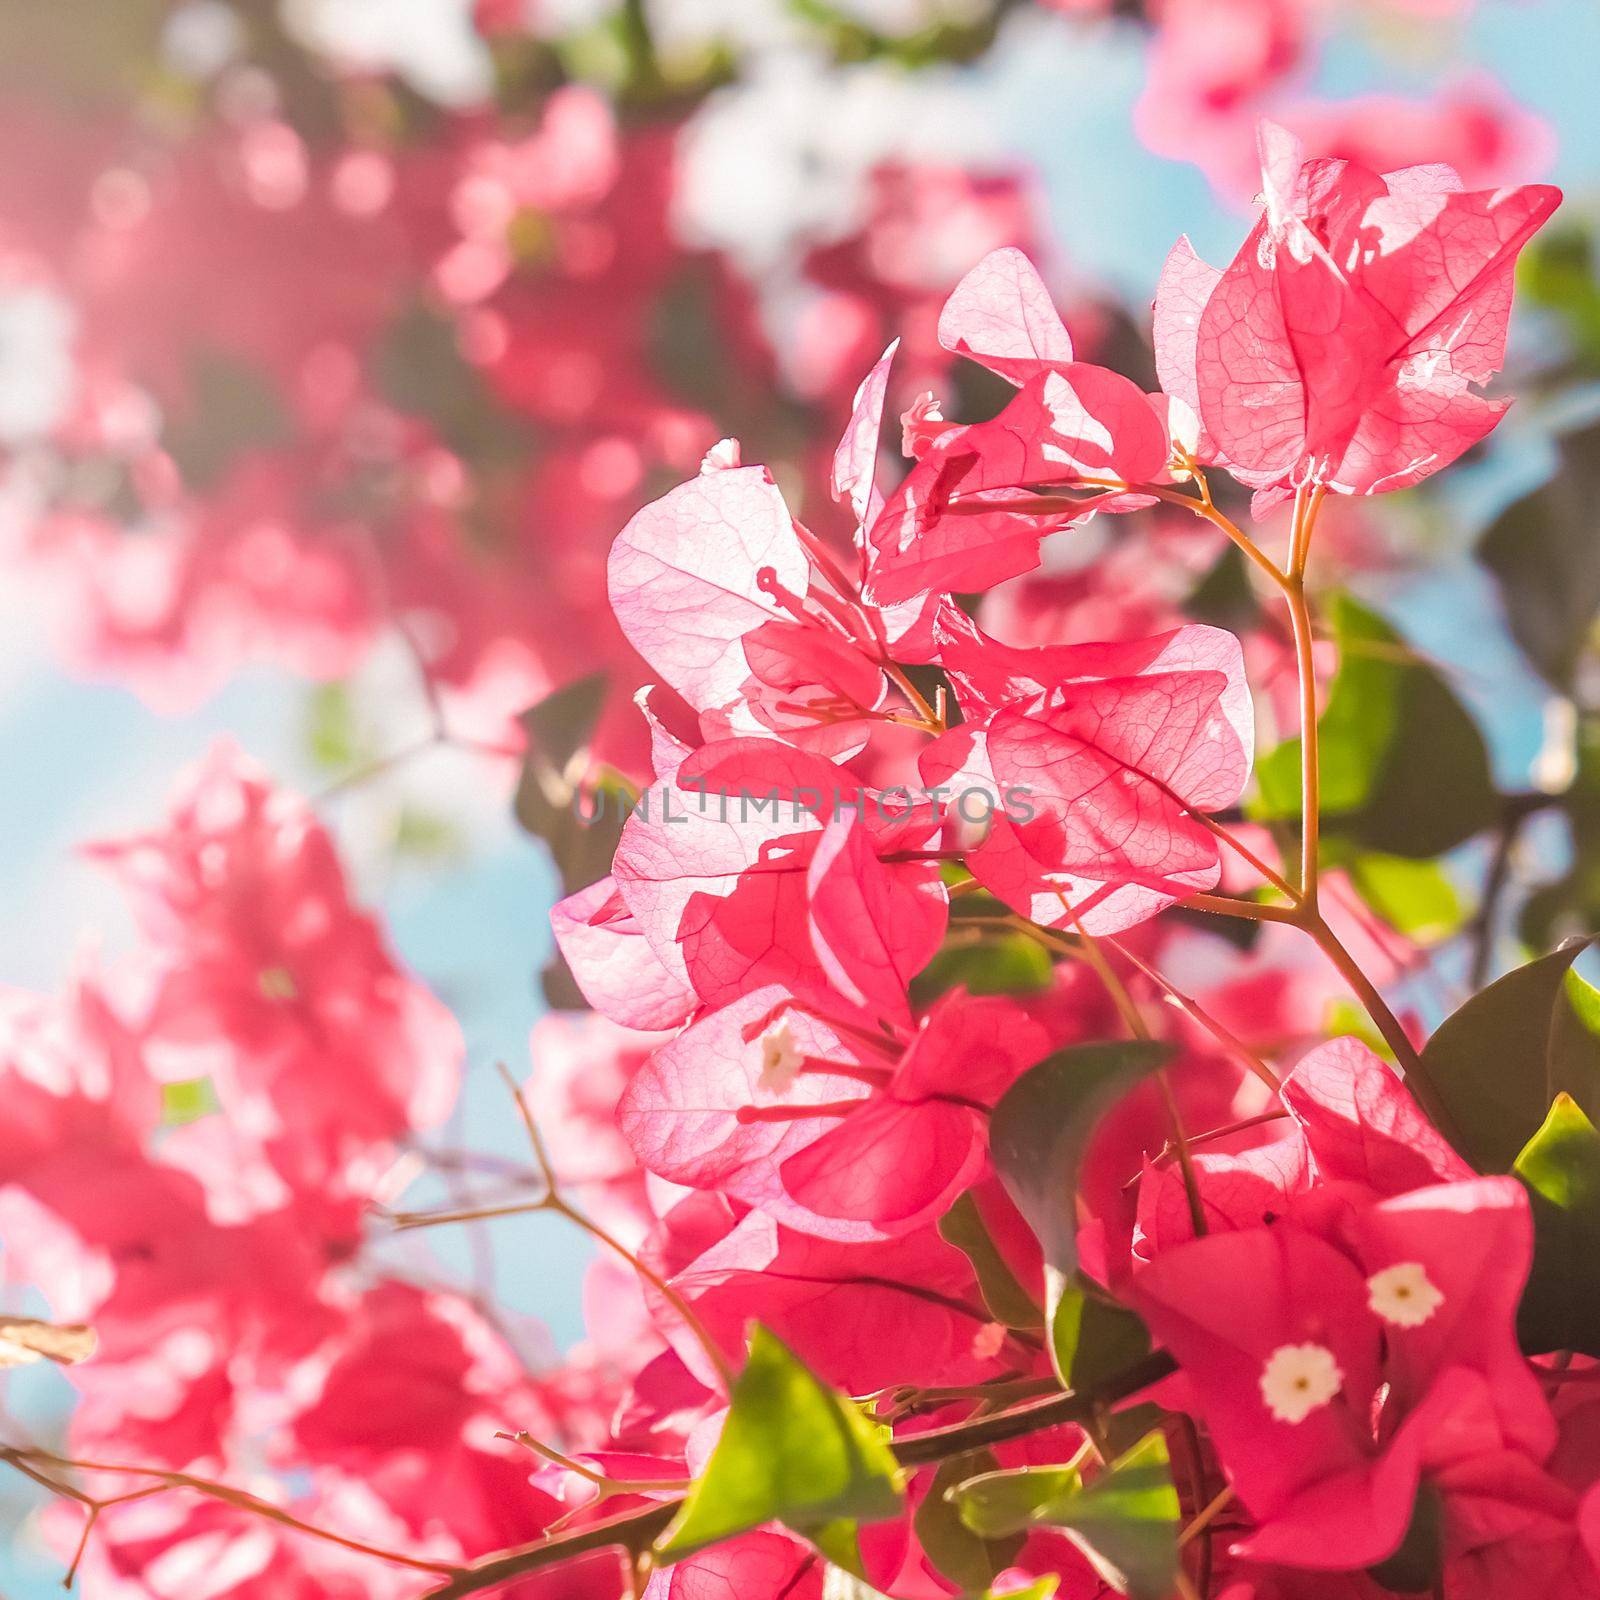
1125	1520
332	739
187	1100
1404	767
963	1556
1091	1339
561	724
1544	555
1041	1128
1560	1167
1500	1060
1415	898
996	1505
1415	1567
1005	1299
792	1450
1001	963
578	815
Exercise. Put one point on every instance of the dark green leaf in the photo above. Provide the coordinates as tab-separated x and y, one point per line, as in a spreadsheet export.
1545	556
1125	1521
578	815
792	1450
1041	1128
1001	963
963	1556
1414	1568
1500	1060
1560	1167
562	724
1404	767
1091	1339
996	1505
1006	1300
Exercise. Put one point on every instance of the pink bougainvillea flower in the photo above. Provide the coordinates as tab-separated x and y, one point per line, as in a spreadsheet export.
618	972
1285	1369
1214	66
961	522
1284	1365
1471	126
1100	774
1353	1135
1001	315
1347	343
202	1280
269	980
720	870
903	1157
854	479
759	1566
697	570
713	586
823	1124
1360	1124
721	1106
1445	1271
862	1315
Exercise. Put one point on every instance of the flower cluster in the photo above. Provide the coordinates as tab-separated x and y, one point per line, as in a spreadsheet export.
974	1215
838	1137
311	359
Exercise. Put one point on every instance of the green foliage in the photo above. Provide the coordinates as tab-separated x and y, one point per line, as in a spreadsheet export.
187	1100
1001	963
1570	905
1041	1126
1003	1296
1405	771
1125	1520
1558	270
1500	1060
554	786
961	1554
793	1451
332	739
1545	557
1560	1167
1091	1339
1415	898
996	1505
1415	1567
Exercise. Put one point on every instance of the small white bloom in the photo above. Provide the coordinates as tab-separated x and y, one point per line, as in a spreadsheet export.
781	1058
723	456
1299	1379
1402	1294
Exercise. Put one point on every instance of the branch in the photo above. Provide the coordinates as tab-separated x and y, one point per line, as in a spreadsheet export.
638	1530
28	1460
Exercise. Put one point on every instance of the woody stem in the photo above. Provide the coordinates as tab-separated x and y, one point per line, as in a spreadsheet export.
635	1531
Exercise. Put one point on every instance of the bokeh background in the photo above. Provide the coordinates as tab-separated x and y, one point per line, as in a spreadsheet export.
338	338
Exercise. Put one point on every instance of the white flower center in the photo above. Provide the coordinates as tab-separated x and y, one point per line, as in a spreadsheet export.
1403	1295
781	1059
1299	1379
